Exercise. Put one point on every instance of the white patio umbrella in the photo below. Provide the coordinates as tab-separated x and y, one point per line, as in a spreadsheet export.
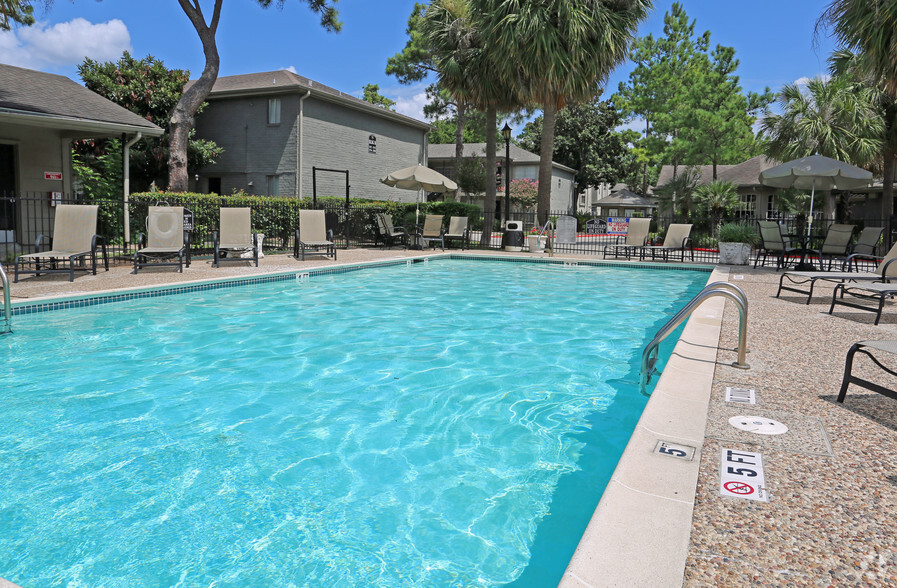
419	177
816	172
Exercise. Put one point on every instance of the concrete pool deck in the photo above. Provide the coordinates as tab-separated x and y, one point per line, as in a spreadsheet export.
832	480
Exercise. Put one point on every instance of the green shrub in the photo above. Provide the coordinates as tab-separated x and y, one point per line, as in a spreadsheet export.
738	233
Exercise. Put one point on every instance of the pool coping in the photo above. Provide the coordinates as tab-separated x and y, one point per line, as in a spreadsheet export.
623	543
639	534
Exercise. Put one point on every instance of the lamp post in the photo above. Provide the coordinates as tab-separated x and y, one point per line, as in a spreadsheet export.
506	133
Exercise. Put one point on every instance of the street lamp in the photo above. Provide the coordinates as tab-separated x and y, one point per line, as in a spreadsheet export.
506	133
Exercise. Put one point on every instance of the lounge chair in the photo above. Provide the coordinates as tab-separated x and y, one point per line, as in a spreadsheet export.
74	240
876	292
836	244
866	244
166	239
676	239
388	233
432	231
636	236
886	270
458	231
312	235
775	244
864	348
235	236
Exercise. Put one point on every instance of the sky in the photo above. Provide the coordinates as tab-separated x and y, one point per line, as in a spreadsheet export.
773	39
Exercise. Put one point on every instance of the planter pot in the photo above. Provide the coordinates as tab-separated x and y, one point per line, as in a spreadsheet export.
734	253
535	243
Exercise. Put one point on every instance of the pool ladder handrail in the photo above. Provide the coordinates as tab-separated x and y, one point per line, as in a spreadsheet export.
725	289
6	327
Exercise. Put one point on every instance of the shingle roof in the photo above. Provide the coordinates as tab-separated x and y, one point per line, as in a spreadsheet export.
518	155
744	174
285	81
626	197
28	93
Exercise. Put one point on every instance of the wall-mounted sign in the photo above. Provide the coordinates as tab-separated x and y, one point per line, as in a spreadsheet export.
52	175
372	144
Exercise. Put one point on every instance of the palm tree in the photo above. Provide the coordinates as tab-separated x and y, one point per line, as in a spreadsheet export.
469	72
558	51
833	117
716	199
675	196
866	28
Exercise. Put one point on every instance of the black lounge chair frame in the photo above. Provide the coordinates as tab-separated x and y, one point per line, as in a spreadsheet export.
849	378
71	263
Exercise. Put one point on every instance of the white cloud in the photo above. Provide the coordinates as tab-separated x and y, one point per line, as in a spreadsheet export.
805	80
292	69
64	44
412	106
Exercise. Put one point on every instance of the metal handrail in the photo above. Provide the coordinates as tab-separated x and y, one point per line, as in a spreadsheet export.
6	327
731	291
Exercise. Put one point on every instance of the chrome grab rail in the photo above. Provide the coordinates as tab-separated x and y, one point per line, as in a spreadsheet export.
731	291
6	327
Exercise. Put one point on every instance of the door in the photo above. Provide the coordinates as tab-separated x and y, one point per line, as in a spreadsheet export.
7	193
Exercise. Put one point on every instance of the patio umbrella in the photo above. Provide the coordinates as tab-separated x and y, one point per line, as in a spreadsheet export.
419	177
815	172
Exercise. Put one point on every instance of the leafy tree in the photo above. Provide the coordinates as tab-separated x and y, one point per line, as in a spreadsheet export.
558	52
472	177
836	118
716	199
689	96
16	11
585	140
474	129
181	121
372	94
147	88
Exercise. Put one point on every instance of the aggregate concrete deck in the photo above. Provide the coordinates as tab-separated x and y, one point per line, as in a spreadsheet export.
832	479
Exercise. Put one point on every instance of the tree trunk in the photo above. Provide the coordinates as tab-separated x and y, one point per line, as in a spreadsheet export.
887	194
460	121
546	152
489	203
182	118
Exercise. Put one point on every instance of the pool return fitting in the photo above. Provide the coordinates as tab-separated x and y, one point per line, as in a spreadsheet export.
6	326
730	291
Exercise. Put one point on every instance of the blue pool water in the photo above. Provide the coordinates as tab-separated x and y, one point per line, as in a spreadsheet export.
443	424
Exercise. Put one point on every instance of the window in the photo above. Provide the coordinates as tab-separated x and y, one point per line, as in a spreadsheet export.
748	206
372	144
215	185
273	185
273	111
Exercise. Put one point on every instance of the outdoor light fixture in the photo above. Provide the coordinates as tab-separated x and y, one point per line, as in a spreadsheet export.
506	133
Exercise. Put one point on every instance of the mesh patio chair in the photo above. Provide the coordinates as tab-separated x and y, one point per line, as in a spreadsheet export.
636	236
235	237
676	239
165	239
74	241
311	236
836	244
775	244
432	231
458	231
864	248
390	234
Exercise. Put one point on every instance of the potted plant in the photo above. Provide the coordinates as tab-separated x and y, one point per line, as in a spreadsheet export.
735	242
535	240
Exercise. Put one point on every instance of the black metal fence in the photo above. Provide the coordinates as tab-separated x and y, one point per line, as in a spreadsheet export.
24	217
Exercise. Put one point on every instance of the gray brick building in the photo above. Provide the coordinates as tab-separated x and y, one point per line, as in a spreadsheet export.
276	126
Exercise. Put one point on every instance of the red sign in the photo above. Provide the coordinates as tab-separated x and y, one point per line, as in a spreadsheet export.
52	175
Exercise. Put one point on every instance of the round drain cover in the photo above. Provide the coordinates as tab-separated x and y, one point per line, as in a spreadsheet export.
759	425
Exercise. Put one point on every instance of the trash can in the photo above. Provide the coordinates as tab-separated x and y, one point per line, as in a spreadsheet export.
512	238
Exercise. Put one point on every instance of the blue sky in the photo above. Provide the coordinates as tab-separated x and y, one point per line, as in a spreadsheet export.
772	39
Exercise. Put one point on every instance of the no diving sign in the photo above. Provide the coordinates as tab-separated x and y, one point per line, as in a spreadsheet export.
741	475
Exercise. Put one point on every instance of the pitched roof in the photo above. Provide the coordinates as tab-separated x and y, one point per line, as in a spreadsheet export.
284	82
36	98
626	197
743	175
518	155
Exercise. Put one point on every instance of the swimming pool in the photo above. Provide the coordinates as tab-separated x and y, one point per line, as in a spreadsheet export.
448	423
